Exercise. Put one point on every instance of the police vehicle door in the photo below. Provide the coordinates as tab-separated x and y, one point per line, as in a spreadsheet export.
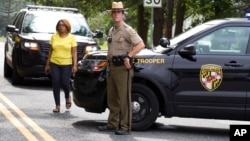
214	84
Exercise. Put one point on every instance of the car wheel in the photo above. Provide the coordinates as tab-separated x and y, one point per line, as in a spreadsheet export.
145	107
16	78
7	69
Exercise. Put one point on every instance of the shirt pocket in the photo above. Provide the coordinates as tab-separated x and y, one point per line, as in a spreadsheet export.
120	43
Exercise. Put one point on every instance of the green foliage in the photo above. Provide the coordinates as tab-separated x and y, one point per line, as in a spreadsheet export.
205	10
101	22
8	10
95	10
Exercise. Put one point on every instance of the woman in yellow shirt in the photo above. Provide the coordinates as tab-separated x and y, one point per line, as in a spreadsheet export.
62	61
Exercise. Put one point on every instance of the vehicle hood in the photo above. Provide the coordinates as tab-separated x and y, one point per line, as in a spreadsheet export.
37	36
143	52
88	40
147	52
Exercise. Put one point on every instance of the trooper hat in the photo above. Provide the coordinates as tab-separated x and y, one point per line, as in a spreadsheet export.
117	6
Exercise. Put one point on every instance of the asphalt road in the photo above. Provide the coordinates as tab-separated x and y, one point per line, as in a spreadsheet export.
26	114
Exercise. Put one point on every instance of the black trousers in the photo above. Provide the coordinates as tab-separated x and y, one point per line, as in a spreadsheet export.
61	75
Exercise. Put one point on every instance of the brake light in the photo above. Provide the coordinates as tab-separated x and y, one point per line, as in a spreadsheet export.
100	65
96	68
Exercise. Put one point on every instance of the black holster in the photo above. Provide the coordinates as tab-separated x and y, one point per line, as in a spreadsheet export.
118	60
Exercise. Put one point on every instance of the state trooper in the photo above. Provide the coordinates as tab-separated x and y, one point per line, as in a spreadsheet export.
123	44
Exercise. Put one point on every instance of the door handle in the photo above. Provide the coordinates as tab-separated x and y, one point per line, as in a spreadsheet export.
234	64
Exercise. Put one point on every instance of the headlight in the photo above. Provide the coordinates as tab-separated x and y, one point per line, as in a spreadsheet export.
90	49
31	45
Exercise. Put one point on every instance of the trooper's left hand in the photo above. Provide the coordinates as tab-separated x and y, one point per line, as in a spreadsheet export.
127	63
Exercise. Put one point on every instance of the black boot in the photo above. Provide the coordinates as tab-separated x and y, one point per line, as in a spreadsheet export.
122	131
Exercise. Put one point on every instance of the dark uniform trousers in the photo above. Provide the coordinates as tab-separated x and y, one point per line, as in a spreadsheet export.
119	100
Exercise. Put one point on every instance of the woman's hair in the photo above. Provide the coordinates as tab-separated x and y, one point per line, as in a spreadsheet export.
66	23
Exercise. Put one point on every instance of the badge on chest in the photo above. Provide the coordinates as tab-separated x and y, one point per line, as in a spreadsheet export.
120	40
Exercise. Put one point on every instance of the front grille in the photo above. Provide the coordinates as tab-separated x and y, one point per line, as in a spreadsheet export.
80	50
44	47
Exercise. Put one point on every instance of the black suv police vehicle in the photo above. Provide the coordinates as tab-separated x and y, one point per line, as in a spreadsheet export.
27	39
202	73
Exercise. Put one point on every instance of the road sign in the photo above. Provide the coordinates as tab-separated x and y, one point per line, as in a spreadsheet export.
152	3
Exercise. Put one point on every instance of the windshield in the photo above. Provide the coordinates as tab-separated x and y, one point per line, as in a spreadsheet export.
174	41
46	23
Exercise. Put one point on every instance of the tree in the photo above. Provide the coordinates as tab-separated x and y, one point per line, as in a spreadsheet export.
169	18
143	23
158	25
8	10
205	10
180	13
173	12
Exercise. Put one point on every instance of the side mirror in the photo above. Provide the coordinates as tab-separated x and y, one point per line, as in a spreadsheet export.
98	34
11	28
164	42
188	52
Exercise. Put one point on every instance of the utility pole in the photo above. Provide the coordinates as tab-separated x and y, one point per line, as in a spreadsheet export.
152	4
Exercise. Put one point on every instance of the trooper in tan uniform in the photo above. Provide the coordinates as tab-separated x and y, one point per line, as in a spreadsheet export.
123	44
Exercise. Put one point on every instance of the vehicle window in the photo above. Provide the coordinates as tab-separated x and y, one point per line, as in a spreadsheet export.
18	20
79	27
41	23
174	41
228	40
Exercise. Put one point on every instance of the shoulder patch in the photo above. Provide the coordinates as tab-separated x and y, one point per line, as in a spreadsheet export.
132	31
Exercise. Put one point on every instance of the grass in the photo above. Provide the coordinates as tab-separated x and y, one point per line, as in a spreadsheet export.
104	46
2	39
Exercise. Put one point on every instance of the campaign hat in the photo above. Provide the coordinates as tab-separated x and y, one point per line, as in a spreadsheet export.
118	6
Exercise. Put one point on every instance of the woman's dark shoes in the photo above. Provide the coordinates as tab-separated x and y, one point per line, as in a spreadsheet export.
57	109
122	132
68	105
105	128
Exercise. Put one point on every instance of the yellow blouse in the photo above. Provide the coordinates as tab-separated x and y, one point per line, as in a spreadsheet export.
61	49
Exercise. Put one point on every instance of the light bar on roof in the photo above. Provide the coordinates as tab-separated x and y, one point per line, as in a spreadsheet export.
52	8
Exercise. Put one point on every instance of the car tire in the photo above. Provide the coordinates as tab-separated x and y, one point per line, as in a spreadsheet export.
145	107
16	78
7	70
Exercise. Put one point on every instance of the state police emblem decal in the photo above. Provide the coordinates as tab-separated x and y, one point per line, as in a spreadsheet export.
211	76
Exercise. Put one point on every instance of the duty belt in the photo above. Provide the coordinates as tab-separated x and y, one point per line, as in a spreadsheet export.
116	60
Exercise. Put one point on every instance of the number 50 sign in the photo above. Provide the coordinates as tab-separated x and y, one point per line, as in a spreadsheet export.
152	3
